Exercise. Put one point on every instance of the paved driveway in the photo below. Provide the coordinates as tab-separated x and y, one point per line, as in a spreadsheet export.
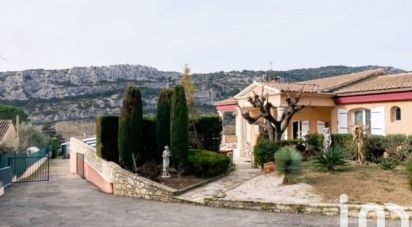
67	200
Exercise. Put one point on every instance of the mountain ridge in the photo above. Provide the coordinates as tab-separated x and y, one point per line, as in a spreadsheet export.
86	92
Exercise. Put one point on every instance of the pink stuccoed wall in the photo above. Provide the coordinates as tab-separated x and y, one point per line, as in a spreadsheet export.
92	173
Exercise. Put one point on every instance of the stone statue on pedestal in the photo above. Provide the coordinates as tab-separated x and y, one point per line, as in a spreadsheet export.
327	139
166	162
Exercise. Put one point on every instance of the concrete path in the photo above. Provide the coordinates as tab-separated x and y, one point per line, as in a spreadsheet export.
67	200
240	175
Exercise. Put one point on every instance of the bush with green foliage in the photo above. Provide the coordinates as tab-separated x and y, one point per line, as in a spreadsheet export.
179	129
55	147
29	136
330	159
398	147
264	151
149	141
388	164
346	144
11	112
163	122
209	132
289	163
107	138
315	142
130	128
374	148
204	163
150	170
409	169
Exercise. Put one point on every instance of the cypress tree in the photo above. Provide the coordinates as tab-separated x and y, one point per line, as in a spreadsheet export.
163	122
179	128
107	128
130	128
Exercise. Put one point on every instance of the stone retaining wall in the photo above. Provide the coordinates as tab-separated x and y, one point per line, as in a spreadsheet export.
327	209
123	182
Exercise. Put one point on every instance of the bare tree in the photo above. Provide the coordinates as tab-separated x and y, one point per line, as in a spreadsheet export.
275	125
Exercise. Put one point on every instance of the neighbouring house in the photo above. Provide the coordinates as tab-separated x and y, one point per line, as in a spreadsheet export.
373	98
8	134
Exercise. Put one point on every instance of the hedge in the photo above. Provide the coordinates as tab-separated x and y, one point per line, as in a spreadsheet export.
106	138
344	141
204	163
179	128
149	152
163	122
130	128
264	151
209	132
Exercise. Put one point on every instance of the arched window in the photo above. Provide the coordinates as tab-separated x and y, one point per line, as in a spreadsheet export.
396	113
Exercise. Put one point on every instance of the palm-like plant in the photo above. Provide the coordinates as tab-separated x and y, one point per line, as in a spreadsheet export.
288	163
329	160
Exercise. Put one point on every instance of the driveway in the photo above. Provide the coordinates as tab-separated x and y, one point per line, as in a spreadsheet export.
67	200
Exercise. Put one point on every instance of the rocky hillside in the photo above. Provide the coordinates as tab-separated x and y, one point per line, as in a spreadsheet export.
86	92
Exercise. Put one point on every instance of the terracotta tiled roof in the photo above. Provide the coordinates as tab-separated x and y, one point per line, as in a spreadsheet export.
380	84
229	101
293	87
332	83
4	126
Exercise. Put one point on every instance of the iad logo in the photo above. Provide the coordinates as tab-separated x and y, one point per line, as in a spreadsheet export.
364	211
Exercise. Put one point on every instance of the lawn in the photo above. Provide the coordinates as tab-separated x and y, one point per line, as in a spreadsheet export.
362	183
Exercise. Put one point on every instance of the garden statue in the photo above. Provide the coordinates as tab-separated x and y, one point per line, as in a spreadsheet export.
327	139
166	162
359	138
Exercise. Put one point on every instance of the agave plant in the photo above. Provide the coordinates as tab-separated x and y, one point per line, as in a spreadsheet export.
329	160
288	163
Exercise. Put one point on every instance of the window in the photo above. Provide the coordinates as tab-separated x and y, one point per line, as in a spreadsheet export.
396	113
362	117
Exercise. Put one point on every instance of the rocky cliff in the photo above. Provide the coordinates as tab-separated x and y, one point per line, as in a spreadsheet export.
86	92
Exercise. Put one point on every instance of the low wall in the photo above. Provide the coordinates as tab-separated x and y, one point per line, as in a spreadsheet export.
111	178
327	209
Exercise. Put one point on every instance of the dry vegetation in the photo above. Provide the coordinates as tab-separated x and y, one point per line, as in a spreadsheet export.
79	129
362	183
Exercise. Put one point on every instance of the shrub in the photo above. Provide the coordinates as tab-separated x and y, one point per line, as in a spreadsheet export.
150	170
163	122
149	141
315	142
374	148
330	160
388	164
179	123
209	132
398	147
130	128
264	151
409	169
107	138
346	144
204	163
289	163
55	147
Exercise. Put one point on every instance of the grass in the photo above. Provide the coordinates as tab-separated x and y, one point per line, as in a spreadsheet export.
362	183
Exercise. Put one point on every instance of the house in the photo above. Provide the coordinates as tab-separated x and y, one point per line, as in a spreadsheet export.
8	134
381	102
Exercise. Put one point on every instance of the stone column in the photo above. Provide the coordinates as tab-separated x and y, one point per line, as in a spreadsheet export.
221	115
239	134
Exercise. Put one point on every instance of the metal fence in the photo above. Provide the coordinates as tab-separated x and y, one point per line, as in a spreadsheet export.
27	167
6	176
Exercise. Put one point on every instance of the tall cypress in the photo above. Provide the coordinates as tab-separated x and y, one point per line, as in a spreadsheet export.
163	122
179	128
130	128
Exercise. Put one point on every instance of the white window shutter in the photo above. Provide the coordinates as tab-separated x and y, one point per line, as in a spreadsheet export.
342	121
305	128
321	125
378	121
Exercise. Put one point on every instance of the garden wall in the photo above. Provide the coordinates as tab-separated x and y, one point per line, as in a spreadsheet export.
111	178
328	209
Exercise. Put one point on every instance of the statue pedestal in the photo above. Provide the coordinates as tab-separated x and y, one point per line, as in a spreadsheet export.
165	175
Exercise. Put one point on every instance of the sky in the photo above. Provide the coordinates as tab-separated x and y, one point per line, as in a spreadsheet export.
209	36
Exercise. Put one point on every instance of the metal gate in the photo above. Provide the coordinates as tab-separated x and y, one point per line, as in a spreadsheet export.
29	168
80	164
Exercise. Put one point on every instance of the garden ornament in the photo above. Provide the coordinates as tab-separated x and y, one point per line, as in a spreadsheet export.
166	162
359	138
327	139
